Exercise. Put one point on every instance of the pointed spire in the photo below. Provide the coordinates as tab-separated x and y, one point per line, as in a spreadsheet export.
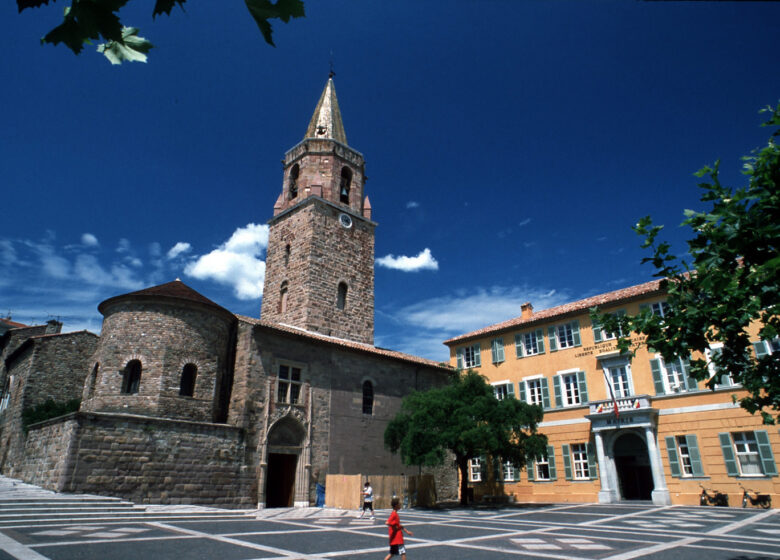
326	121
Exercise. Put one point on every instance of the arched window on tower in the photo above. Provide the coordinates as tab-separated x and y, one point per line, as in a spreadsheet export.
346	184
188	374
292	187
368	397
131	377
283	297
287	254
341	298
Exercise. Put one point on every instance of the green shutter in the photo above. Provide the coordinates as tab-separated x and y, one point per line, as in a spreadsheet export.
529	467
459	354
477	355
557	391
551	460
566	461
497	347
768	464
597	331
690	382
693	452
553	338
519	345
760	348
583	387
539	341
545	393
674	461
575	332
592	470
655	367
728	454
511	389
483	468
523	396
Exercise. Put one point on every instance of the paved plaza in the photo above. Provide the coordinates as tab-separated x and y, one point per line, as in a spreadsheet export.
37	524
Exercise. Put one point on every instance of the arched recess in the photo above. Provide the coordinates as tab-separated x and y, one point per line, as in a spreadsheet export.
632	465
285	476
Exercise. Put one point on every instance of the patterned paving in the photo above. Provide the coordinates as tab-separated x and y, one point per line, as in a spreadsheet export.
40	525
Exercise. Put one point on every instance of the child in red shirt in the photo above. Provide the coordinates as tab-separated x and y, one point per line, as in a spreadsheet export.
396	532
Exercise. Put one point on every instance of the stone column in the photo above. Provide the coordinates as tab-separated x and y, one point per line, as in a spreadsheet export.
607	495
660	493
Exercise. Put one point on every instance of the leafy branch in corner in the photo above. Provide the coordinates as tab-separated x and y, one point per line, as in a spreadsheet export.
732	283
85	21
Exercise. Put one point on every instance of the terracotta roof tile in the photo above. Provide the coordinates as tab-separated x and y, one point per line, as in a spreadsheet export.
13	324
368	348
566	309
175	290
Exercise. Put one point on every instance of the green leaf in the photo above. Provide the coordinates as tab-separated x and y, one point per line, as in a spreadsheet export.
165	6
263	10
132	48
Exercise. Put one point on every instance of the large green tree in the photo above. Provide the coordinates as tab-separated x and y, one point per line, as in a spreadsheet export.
466	419
732	282
85	21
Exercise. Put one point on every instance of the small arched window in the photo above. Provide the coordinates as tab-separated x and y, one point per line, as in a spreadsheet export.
283	297
131	378
346	184
287	251
341	297
188	374
292	187
368	397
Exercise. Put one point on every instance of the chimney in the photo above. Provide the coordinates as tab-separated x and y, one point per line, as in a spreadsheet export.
53	326
527	310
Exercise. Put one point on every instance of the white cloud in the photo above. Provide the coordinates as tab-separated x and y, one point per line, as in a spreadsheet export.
180	248
123	246
434	320
412	204
423	261
89	240
524	222
236	263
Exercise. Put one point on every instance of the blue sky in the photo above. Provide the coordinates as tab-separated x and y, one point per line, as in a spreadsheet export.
512	143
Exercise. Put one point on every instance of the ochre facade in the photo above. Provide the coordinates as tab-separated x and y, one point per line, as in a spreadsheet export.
619	427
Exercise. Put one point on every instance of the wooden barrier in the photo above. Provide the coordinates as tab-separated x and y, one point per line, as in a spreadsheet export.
344	491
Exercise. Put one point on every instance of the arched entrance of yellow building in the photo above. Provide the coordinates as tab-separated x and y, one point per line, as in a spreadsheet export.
285	444
632	463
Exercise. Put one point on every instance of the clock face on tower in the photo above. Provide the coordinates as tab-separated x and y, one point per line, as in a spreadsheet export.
345	221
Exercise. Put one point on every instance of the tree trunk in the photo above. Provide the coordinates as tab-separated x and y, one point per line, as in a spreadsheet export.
463	467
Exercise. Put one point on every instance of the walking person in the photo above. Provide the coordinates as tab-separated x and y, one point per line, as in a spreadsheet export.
368	499
396	532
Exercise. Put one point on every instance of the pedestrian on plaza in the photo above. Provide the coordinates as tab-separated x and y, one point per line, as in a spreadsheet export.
396	531
368	499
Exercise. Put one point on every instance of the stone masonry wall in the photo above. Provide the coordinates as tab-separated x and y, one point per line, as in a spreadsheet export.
146	460
322	255
164	338
343	439
50	367
47	453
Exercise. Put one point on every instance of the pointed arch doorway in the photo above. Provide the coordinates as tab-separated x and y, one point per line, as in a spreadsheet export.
285	445
632	463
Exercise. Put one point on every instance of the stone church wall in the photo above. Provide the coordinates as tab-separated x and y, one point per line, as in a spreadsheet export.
164	338
146	460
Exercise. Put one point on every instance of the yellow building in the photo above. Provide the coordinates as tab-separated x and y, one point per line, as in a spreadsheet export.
662	438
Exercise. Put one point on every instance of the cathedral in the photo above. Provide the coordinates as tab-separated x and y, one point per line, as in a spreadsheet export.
181	401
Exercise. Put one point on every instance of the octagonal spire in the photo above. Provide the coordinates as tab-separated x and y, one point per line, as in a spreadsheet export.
326	121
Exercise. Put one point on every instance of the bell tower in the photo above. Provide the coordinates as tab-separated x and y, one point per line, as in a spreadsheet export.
319	272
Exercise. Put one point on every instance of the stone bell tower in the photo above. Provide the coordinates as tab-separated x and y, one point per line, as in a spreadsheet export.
320	261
